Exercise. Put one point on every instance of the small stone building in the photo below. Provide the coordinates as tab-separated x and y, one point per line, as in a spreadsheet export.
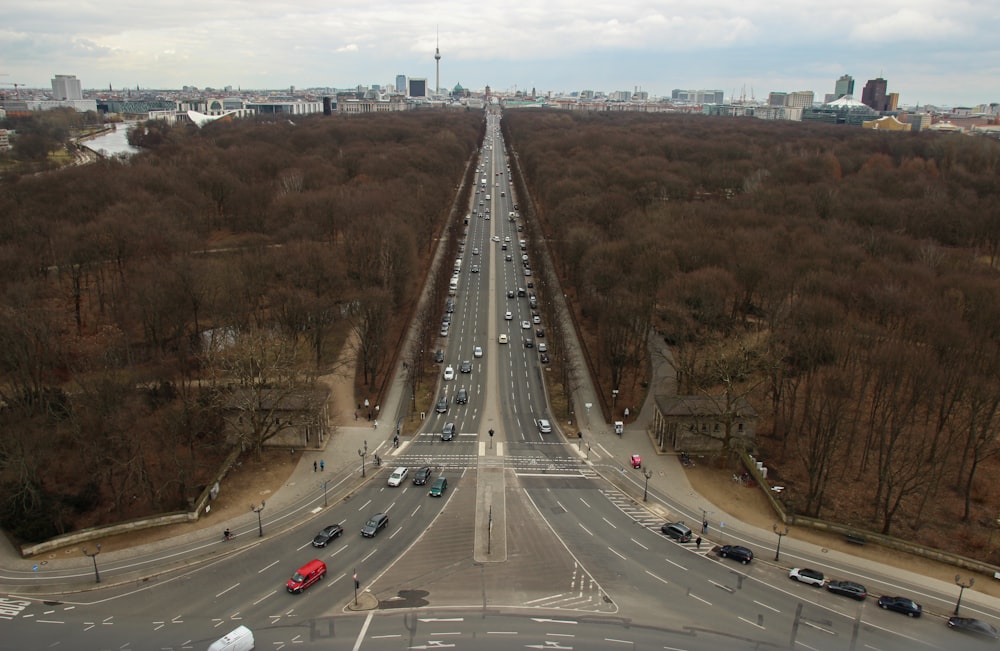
698	424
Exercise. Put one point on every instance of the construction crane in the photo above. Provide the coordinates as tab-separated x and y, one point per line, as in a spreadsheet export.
16	85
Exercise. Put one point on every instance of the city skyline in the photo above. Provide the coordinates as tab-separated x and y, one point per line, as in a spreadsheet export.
928	54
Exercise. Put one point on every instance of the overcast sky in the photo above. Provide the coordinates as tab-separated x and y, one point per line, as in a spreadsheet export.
945	53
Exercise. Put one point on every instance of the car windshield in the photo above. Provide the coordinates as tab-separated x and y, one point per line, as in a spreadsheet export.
298	578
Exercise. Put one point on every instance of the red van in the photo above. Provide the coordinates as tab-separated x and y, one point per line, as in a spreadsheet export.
306	575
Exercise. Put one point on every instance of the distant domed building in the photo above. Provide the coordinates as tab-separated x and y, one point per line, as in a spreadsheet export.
458	91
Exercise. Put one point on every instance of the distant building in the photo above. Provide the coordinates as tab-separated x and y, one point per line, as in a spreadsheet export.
800	99
285	108
66	87
844	86
698	96
699	424
777	98
892	102
401	84
886	123
918	121
417	87
4	140
874	94
845	110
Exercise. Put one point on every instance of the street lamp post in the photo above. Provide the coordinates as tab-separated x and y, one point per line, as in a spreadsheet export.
324	493
260	524
93	557
961	589
647	473
614	401
362	453
781	534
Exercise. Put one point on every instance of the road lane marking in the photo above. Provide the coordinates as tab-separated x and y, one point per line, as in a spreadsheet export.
763	605
580	524
638	543
585	502
677	565
365	505
704	601
232	587
616	553
610	523
658	578
267	567
269	594
744	619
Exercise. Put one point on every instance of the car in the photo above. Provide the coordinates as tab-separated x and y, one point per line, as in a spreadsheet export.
397	476
477	352
543	358
438	355
510	294
527	272
529	342
539	332
465	366
507	257
448	432
375	523
808	576
525	325
442	405
908	607
496	238
444	330
449	372
327	534
973	627
438	488
475	269
508	315
305	576
542	347
543	425
737	553
677	530
446	319
475	250
521	291
421	476
501	339
848	589
462	397
537	320
507	238
449	305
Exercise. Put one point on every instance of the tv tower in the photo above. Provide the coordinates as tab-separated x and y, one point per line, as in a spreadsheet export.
437	63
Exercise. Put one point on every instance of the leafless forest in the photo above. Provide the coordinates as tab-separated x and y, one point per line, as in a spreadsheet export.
136	293
845	281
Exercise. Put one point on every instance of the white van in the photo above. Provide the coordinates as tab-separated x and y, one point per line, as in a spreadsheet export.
239	639
487	197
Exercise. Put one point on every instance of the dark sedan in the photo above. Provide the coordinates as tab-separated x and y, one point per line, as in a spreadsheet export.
421	476
908	607
327	534
973	627
848	589
376	522
737	553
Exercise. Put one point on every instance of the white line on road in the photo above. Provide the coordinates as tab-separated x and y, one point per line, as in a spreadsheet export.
267	567
610	523
414	511
365	505
803	644
638	543
370	554
585	502
744	619
616	553
269	594
677	565
232	587
704	601
763	605
364	629
657	577
585	528
817	627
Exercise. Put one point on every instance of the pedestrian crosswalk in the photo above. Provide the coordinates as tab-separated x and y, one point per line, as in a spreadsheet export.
646	518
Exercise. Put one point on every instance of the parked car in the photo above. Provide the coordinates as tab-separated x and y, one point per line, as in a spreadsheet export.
327	534
544	426
737	553
448	432
438	355
543	358
973	627
461	397
539	332
442	405
438	487
397	476
808	576
543	347
374	524
421	476
677	530
449	372
848	589
908	607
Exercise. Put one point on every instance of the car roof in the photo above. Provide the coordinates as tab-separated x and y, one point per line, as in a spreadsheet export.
399	470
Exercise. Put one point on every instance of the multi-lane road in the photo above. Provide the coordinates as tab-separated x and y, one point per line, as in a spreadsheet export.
530	546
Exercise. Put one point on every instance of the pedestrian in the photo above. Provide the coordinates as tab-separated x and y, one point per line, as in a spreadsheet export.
395	441
697	542
355	414
314	466
322	465
376	410
367	403
704	527
375	424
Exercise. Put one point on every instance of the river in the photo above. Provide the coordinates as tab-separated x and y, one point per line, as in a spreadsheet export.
113	142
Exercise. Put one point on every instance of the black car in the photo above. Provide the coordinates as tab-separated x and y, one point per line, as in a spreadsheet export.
848	589
448	432
376	522
529	342
462	397
442	405
439	356
466	367
908	607
973	627
544	358
540	332
737	553
327	534
510	293
421	476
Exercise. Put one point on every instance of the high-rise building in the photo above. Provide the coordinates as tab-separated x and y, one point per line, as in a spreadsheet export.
777	98
417	87
66	87
874	95
892	102
845	86
401	84
800	98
